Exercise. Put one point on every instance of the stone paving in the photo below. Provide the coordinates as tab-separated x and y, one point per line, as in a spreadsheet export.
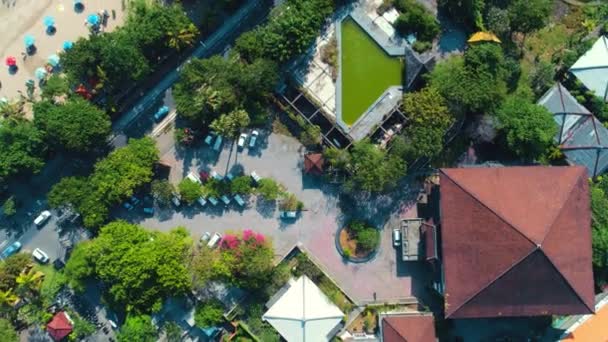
280	157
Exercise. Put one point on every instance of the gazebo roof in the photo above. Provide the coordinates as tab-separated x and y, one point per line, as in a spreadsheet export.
592	68
313	163
60	326
582	138
304	313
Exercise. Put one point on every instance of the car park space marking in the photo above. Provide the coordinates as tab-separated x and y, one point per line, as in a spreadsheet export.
170	118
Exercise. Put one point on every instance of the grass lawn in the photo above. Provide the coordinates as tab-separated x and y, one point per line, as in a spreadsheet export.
367	71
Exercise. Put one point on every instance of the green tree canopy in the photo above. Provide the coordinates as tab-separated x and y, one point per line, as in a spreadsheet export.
370	169
163	191
75	126
111	58
22	149
467	12
210	87
190	191
56	85
269	189
241	185
209	314
10	268
290	30
527	128
114	179
231	124
8	331
429	122
529	15
599	226
415	18
137	328
141	267
467	90
244	259
152	26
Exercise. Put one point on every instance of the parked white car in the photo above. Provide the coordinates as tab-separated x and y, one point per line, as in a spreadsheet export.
255	176
396	237
253	139
215	239
40	256
42	218
225	199
242	139
206	236
194	177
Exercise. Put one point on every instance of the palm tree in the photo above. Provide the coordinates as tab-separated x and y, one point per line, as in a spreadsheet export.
7	300
183	37
29	282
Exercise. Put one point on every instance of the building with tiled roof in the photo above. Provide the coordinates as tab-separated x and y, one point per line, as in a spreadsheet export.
516	241
414	327
585	328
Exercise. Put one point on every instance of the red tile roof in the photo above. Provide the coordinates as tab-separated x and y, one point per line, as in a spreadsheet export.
59	327
516	241
408	328
313	163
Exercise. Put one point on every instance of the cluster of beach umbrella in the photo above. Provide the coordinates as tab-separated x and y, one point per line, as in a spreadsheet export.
53	60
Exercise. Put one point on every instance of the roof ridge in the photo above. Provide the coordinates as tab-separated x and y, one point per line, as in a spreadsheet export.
572	188
494	281
592	310
510	224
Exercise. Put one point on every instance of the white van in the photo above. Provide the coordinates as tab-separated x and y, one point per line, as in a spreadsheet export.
42	218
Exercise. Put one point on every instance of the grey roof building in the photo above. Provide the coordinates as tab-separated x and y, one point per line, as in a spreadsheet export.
581	136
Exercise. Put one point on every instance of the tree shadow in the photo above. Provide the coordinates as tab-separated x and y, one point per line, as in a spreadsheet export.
266	208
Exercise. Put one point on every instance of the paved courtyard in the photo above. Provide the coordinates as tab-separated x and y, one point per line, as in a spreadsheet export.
280	157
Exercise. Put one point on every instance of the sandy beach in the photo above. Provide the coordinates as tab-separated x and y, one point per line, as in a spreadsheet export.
21	17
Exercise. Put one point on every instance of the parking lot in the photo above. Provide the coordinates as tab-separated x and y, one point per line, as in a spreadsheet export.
280	157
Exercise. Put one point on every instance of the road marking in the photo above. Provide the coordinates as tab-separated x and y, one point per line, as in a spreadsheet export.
169	119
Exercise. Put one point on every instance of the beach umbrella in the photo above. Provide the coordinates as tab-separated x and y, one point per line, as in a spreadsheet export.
11	61
93	19
40	73
48	21
29	40
53	60
67	45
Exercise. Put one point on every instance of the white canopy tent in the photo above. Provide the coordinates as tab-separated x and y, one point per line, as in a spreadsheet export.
304	313
592	68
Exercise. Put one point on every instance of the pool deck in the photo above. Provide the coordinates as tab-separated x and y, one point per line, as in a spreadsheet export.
393	46
313	75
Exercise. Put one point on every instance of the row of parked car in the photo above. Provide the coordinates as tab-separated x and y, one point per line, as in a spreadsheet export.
215	140
203	176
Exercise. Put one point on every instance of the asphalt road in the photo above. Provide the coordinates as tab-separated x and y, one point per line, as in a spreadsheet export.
31	192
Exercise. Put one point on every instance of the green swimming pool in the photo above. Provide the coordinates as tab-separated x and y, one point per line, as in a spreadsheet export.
367	71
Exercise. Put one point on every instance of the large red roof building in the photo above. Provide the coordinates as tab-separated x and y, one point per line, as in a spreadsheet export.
516	241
